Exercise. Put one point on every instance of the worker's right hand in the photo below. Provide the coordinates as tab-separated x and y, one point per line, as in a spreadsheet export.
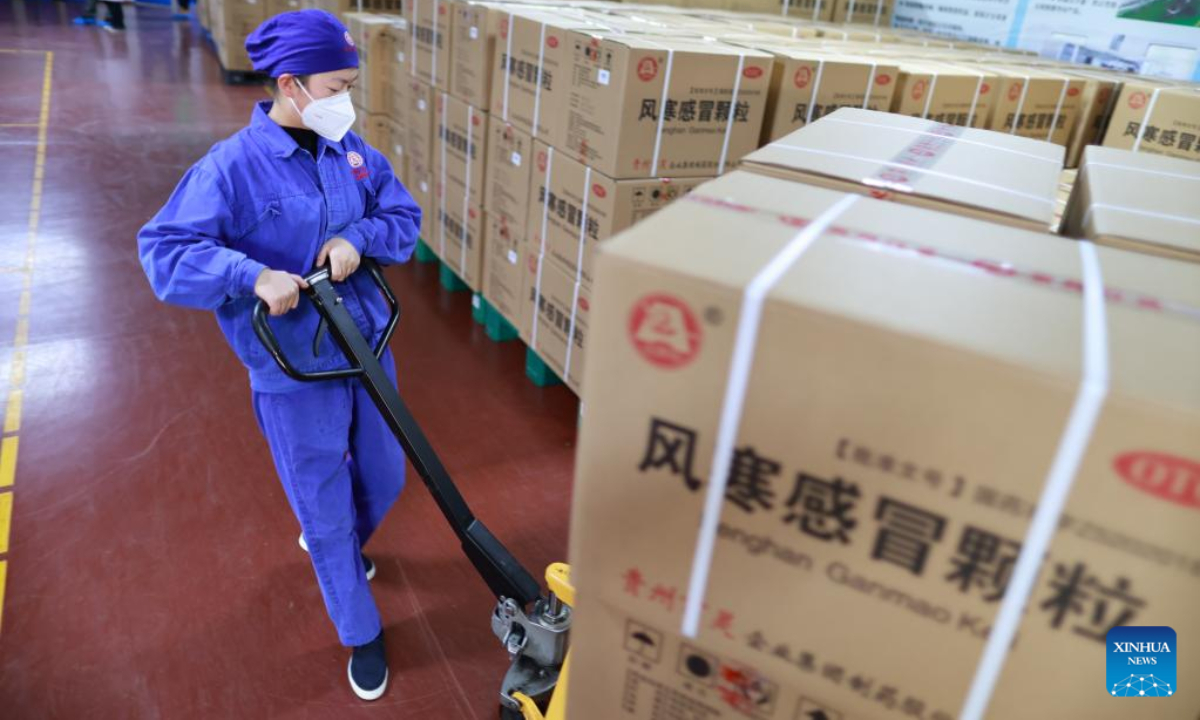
279	290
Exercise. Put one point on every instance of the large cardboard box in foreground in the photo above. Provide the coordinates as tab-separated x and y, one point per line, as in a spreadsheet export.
909	383
977	173
646	106
1156	119
1137	201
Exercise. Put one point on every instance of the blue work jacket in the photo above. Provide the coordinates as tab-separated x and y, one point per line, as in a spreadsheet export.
256	201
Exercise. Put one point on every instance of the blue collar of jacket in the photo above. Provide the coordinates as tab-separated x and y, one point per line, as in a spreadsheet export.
276	139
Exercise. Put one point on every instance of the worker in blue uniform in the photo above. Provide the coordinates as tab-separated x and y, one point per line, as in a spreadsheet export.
292	191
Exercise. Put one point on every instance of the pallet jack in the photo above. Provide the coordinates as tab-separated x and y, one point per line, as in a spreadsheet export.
533	626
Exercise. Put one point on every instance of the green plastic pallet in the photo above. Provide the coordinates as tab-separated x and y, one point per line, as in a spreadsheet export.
538	371
498	328
478	309
425	254
450	280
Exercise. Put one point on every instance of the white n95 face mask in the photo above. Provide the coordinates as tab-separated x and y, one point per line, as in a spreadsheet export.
329	117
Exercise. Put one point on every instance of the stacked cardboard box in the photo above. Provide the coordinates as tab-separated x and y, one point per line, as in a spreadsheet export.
1156	118
848	402
530	131
1137	201
232	22
994	176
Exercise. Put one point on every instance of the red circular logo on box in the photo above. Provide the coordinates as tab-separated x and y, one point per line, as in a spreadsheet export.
471	213
542	161
984	89
599	191
918	90
883	79
504	28
1166	477
647	69
752	72
1072	92
803	77
532	263
665	331
552	41
441	10
584	305
475	120
1014	91
1137	100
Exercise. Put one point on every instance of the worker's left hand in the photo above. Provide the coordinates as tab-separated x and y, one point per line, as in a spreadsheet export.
343	258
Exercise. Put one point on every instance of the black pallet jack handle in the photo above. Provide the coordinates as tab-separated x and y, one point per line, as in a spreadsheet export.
506	577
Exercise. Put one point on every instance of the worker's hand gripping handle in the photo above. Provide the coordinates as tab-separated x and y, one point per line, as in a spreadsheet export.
322	292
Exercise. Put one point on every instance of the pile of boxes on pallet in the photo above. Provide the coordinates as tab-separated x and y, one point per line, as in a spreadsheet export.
530	132
856	421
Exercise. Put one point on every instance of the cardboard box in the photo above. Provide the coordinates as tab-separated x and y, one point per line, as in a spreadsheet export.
502	256
532	70
573	208
1097	102
876	13
378	132
955	95
460	152
457	236
400	75
807	85
644	106
510	159
1036	104
429	22
475	26
373	37
988	175
1138	202
421	186
555	308
421	137
1156	119
868	465
276	7
814	10
234	21
396	138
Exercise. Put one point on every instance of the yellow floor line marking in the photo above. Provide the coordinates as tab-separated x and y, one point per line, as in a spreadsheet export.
22	336
8	460
12	416
16	375
6	503
3	573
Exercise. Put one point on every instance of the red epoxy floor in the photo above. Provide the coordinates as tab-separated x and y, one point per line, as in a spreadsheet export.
153	570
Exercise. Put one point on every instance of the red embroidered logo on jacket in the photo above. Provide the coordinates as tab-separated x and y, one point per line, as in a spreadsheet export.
357	165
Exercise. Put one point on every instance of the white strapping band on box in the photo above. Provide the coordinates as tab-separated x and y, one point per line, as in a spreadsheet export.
441	193
587	186
927	171
965	141
1137	211
466	209
1090	395
541	253
1137	143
